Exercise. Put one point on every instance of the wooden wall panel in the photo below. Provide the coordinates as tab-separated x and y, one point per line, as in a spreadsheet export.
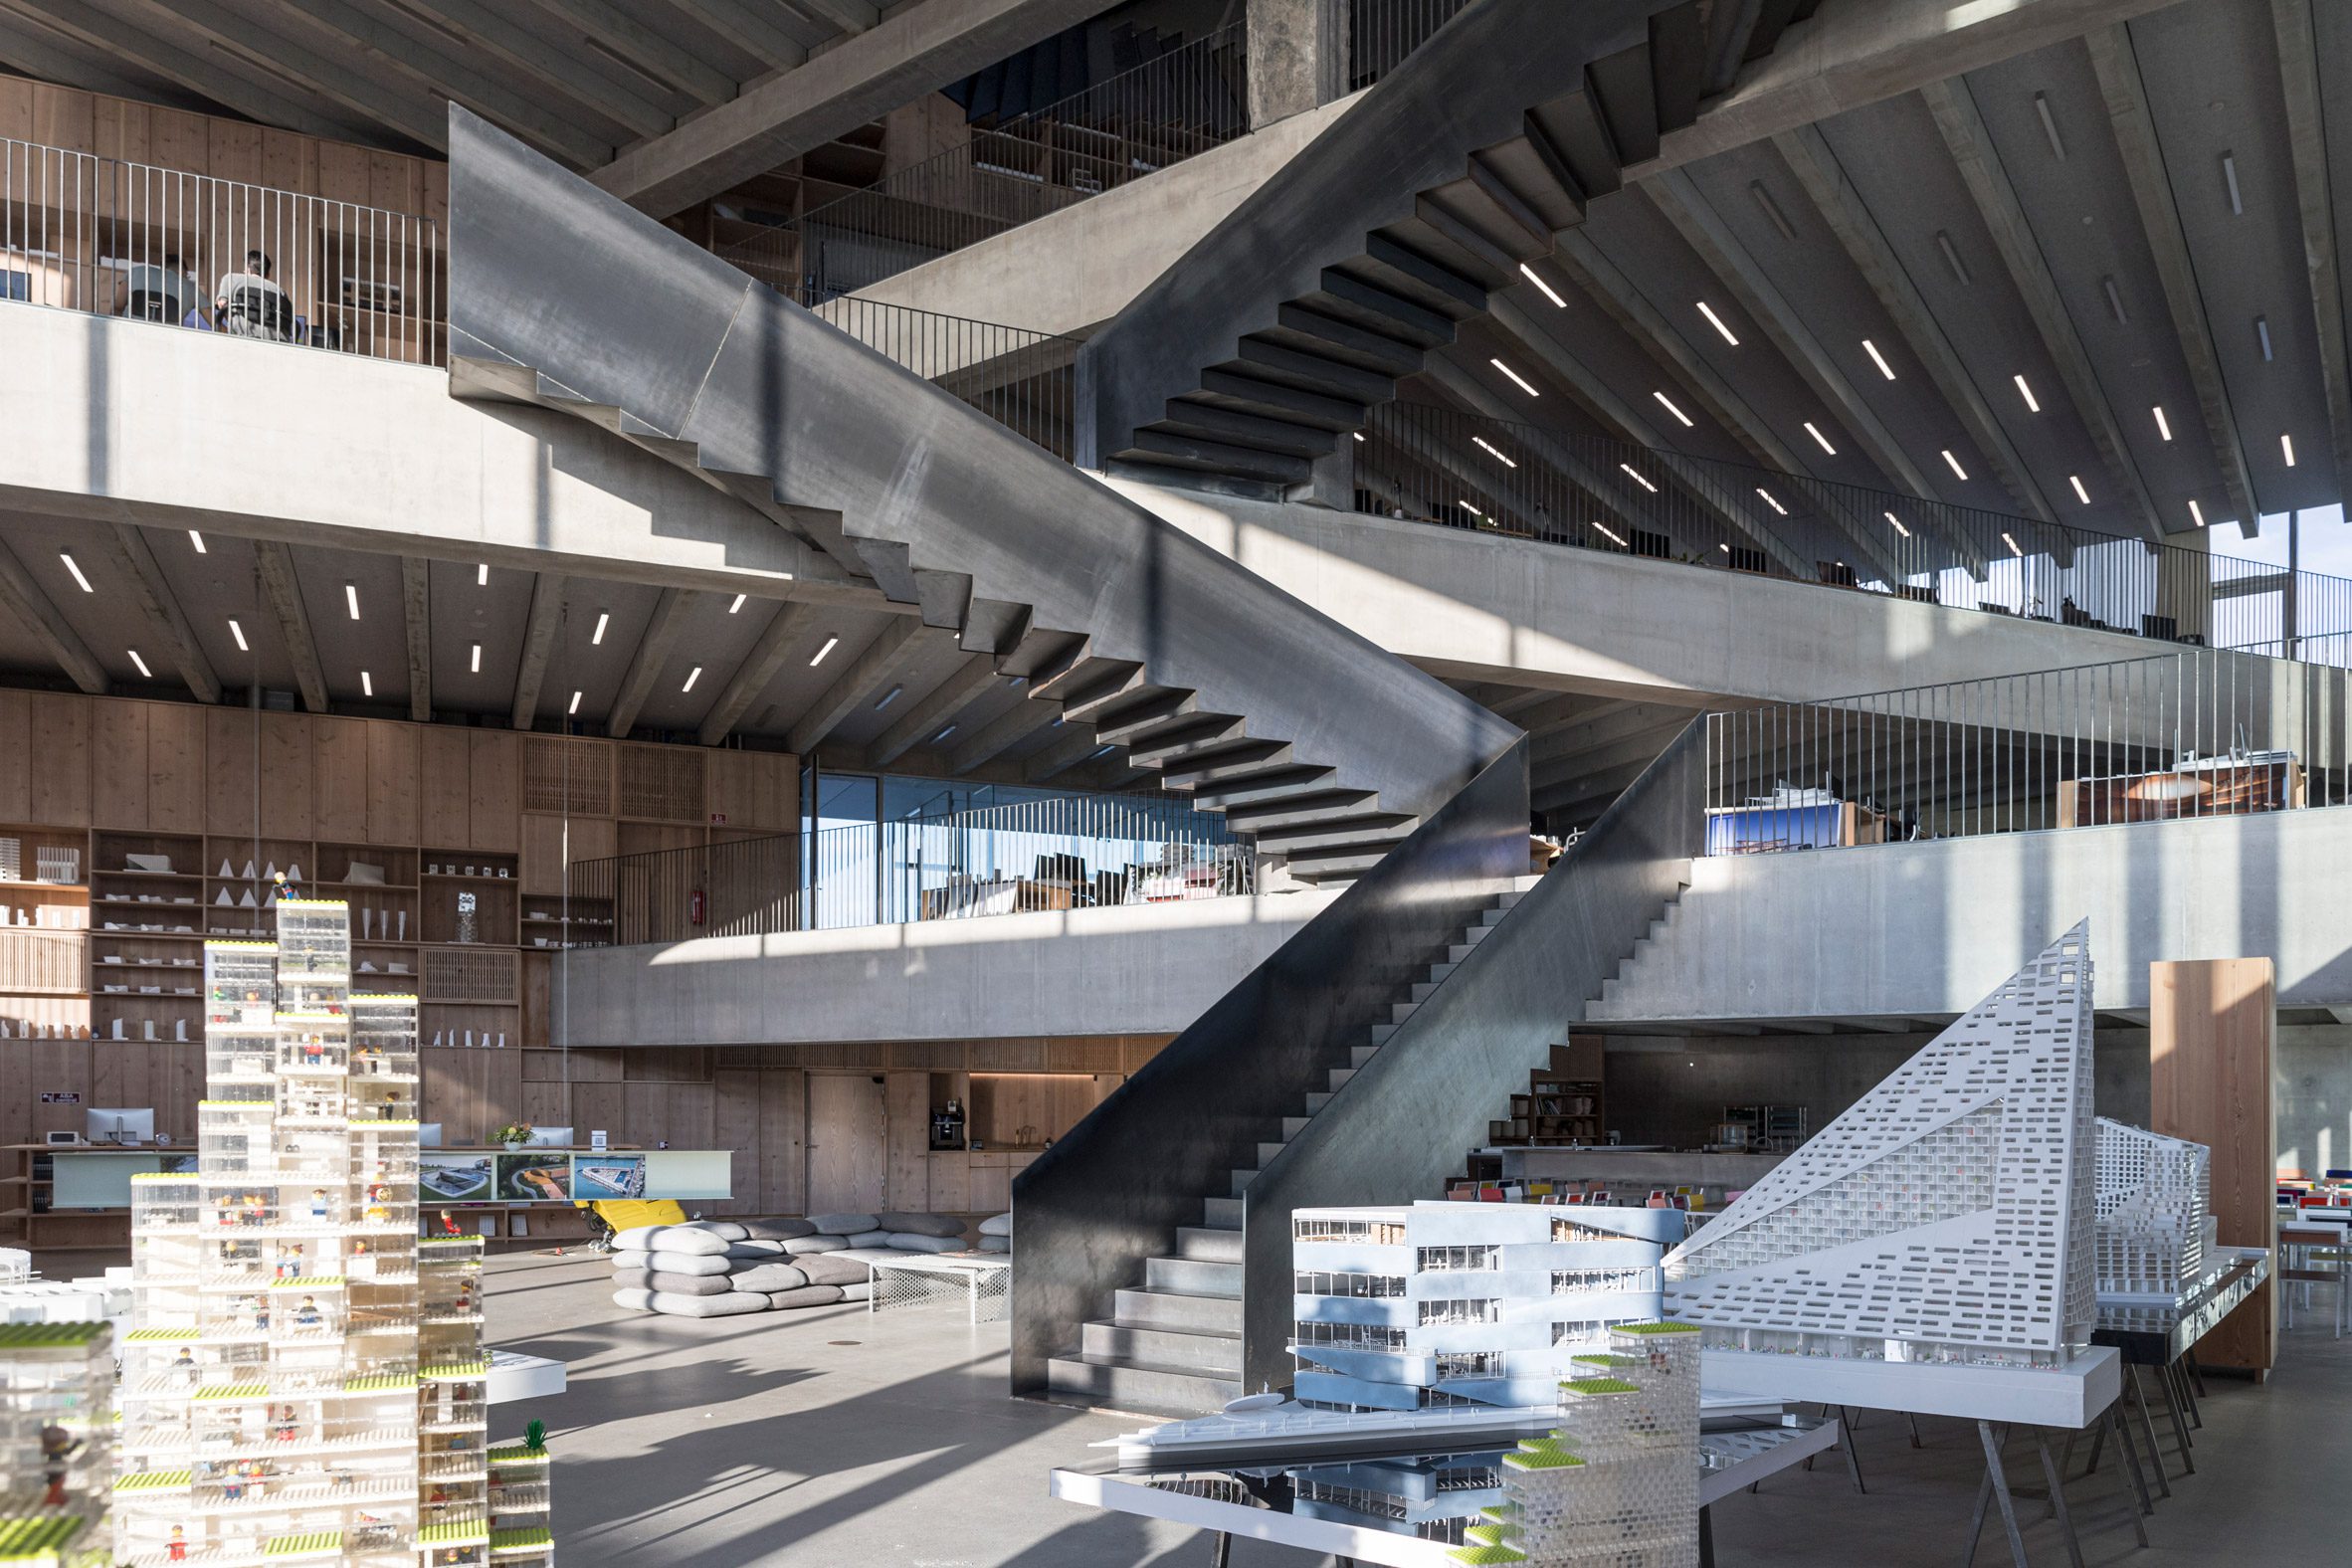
494	790
445	811
906	1126
287	776
783	1147
229	798
339	785
392	784
757	791
2212	1037
16	753
59	737
734	1126
542	869
118	791
175	767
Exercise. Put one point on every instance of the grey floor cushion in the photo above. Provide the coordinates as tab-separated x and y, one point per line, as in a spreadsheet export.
802	1245
833	1269
688	1284
636	1298
724	1230
996	1244
633	1278
755	1248
863	1291
776	1229
844	1224
727	1305
806	1295
997	1225
902	1242
667	1261
769	1276
670	1238
922	1223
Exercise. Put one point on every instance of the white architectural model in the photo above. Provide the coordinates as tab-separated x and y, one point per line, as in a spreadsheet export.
1464	1302
57	1443
2155	1227
1616	1484
1947	1217
305	1380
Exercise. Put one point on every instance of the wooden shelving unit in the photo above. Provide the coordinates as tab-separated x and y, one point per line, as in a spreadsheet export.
1565	1104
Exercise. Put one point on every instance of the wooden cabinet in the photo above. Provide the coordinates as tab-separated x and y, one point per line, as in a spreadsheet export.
951	1184
119	793
444	772
392	784
991	1183
59	737
494	789
340	787
175	768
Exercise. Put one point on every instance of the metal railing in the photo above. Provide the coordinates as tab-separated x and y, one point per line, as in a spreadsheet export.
113	238
1463	471
1026	381
1381	33
1076	852
1163	112
2194	733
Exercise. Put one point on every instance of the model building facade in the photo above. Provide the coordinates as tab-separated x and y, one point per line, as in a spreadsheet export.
1436	1303
2154	1200
305	1377
1947	1217
57	1441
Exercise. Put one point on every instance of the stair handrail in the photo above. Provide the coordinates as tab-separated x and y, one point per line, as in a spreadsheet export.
1398	1127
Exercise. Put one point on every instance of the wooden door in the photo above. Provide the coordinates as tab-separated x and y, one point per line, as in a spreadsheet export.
846	1145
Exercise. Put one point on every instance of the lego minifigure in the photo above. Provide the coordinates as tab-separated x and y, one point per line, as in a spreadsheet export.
307	1314
319	1203
176	1549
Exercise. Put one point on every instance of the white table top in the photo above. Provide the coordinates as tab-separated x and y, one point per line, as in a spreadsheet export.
2070	1396
943	1263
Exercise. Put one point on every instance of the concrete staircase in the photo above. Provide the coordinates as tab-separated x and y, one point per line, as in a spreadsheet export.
1172	1346
1651	975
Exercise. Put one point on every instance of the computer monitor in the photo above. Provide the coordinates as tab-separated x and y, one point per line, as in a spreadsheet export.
552	1137
429	1134
122	1126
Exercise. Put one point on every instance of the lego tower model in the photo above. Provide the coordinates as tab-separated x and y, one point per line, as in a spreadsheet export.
2154	1225
1615	1484
57	1440
305	1378
1946	1217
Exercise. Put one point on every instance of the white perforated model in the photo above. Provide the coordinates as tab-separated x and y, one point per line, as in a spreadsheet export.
1947	1217
2154	1194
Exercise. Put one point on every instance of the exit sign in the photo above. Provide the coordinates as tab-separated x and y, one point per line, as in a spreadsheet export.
718	819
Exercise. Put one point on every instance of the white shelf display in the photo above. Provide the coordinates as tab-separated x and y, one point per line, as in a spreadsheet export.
57	1441
1617	1483
1946	1219
305	1378
1450	1304
520	1502
2155	1225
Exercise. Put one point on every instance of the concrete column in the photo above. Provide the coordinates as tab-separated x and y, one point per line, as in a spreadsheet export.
2184	583
1297	57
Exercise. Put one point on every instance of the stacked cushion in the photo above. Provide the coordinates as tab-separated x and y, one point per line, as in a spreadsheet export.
996	1234
720	1268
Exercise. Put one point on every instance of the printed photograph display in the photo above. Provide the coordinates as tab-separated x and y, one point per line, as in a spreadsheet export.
535	1178
453	1178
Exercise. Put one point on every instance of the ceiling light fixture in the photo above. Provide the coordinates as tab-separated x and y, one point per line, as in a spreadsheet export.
145	672
1611	532
2011	543
197	540
1954	462
888	697
473	659
367	684
1494	450
2163	425
1638	478
603	618
1549	292
238	632
1813	429
575	708
2229	179
830	643
693	676
2263	336
2027	392
2196	513
1523	384
1668	404
1769	501
1943	243
1716	322
2057	148
1778	219
351	599
2286	445
2080	493
1360	435
943	734
739	604
482	575
2115	302
75	567
1898	525
1878	360
1102	751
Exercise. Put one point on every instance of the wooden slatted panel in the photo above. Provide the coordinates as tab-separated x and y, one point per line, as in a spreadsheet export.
659	783
567	777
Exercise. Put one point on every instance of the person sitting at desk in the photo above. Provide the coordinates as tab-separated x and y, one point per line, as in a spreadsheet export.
158	294
250	304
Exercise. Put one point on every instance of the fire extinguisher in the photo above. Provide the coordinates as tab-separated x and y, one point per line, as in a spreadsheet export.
694	907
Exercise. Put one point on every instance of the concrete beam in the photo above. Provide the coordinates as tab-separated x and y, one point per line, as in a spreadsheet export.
2118	67
1299	52
756	673
1071	749
851	16
749	27
1001	734
897	58
284	590
526	47
175	61
161	607
32	49
1808	154
1971	145
22	597
416	116
2298	71
861	680
538	646
645	665
645	48
416	619
924	721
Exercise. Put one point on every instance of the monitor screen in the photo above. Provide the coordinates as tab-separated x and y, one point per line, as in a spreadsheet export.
552	1137
429	1134
120	1127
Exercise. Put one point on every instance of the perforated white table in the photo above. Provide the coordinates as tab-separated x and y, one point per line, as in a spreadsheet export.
984	1283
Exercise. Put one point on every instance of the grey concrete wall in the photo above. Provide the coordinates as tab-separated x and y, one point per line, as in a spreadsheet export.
2313	1074
1926	929
1144	970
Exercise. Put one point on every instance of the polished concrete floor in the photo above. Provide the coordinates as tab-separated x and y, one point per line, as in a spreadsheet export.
821	1438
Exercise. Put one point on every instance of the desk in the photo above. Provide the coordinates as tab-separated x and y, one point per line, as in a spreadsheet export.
1000	896
2164	1335
2317	1230
1767	829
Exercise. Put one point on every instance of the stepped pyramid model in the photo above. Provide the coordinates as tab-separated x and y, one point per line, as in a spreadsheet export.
2154	1225
305	1378
1947	1217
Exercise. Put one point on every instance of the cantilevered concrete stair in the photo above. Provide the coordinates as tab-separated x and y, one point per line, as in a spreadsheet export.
1172	1344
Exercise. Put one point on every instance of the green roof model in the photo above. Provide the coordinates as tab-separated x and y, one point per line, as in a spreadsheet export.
312	1543
49	1336
455	1532
154	1481
35	1537
523	1537
1605	1359
1477	1555
1653	1328
1586	1387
